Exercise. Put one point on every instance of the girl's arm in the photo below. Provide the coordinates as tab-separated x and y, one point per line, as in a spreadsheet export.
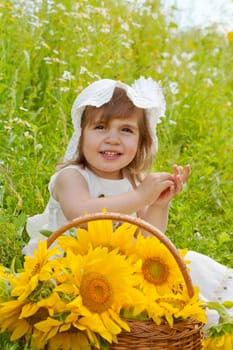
71	190
156	216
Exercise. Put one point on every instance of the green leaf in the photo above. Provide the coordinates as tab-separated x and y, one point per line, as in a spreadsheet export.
228	304
46	233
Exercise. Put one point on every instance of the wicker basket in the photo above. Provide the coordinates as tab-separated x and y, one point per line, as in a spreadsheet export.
146	335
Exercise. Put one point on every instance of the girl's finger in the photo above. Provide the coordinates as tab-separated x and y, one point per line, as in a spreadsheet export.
179	183
186	173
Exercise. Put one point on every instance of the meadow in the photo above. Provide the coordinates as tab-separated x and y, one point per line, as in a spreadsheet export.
48	56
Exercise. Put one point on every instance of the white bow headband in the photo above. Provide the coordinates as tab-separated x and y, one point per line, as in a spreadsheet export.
144	93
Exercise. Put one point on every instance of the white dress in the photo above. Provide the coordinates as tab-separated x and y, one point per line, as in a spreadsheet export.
214	280
53	218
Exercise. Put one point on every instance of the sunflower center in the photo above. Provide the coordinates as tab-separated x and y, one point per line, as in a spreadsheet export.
155	270
96	292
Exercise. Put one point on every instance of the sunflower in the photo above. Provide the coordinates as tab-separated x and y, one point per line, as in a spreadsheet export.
94	289
100	233
75	340
158	269
56	335
160	308
106	285
223	342
192	307
10	321
5	286
19	317
219	335
67	324
37	268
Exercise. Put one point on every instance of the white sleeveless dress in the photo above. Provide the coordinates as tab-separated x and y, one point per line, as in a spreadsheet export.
214	280
53	218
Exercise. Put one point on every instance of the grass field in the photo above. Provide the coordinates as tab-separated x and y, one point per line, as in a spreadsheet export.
48	57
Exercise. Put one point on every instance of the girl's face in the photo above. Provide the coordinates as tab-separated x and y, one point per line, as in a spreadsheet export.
110	147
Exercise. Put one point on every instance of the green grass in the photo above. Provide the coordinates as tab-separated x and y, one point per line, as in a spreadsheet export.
106	39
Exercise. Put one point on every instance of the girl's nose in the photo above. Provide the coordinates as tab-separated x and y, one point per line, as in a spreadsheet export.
112	137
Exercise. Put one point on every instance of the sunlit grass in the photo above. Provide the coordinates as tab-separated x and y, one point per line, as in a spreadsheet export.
46	58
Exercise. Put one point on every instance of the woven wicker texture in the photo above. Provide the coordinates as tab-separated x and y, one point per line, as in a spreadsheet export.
149	336
185	335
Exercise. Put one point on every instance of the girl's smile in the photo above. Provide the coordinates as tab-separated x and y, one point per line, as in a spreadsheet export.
110	147
110	155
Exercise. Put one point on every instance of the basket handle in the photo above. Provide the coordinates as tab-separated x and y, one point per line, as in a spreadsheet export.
142	224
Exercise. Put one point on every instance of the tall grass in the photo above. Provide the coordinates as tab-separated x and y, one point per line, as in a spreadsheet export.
49	56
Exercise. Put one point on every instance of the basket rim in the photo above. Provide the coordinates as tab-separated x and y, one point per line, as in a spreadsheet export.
142	224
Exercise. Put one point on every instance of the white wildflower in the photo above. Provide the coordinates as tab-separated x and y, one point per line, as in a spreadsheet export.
136	25
191	67
61	6
125	26
176	61
91	29
126	44
64	89
48	60
215	51
172	122
23	109
105	29
165	54
44	44
215	72
83	70
27	135
55	59
67	76
208	82
38	146
173	85
154	15
187	56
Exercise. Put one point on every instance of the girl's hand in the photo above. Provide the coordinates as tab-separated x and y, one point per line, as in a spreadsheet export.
180	176
170	185
155	186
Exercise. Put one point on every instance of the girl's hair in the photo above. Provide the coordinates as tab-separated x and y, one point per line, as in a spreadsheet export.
120	106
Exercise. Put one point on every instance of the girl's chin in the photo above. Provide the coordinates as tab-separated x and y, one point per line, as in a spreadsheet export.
110	174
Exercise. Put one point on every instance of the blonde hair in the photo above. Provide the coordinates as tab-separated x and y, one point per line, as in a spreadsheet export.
120	106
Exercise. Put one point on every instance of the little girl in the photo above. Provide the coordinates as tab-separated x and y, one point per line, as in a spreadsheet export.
109	157
107	165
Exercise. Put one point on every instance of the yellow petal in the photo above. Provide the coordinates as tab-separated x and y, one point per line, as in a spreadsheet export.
119	321
44	326
28	310
22	328
230	36
109	323
64	327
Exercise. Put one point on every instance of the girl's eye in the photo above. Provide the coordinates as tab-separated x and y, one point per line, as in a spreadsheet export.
99	126
127	130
